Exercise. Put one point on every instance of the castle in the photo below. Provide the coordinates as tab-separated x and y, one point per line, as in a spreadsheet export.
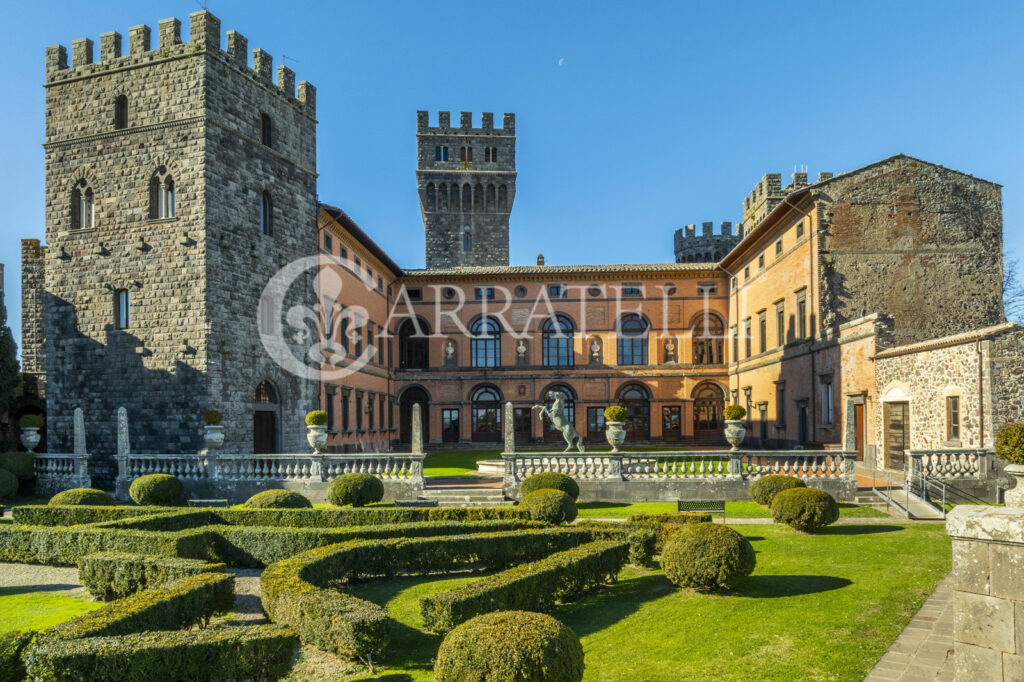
180	180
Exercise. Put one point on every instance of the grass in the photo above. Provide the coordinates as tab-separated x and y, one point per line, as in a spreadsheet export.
21	610
817	607
456	462
734	510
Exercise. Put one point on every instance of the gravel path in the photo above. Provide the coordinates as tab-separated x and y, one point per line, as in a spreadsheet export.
248	607
34	578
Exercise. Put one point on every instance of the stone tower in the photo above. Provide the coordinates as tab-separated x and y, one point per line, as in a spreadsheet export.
466	178
707	247
178	181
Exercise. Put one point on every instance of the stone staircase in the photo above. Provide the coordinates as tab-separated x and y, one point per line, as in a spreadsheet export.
476	494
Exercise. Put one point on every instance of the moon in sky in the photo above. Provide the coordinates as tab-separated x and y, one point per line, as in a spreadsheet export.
561	60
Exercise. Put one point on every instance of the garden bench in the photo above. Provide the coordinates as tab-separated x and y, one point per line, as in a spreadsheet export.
421	502
208	503
713	506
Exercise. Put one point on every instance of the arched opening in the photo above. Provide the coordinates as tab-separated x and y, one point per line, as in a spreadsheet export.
558	333
266	406
467	239
82	207
490	198
414	395
708	332
467	198
478	198
414	345
486	414
502	199
266	213
568	409
266	130
637	401
632	339
121	113
708	404
442	197
161	195
431	197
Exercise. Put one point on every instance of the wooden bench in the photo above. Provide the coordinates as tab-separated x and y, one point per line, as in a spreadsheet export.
208	503
713	506
421	502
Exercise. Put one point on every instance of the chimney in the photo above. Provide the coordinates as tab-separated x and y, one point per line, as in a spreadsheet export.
540	259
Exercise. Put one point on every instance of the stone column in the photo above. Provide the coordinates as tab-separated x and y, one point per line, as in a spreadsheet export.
79	431
510	429
988	592
123	444
417	429
734	472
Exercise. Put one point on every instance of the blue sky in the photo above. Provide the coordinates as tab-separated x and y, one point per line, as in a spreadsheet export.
633	119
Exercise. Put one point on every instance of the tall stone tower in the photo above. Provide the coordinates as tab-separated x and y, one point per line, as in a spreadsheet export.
467	181
178	181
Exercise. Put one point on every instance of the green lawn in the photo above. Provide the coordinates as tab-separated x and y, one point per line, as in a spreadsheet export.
817	607
456	462
734	510
20	610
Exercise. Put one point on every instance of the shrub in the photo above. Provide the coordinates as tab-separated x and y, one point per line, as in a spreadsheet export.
31	421
615	413
642	538
550	506
64	546
112	575
805	509
357	490
45	515
278	499
667	524
732	412
21	464
8	485
1010	443
156	489
262	652
552	481
764	489
316	418
212	418
510	646
11	646
539	585
76	497
707	556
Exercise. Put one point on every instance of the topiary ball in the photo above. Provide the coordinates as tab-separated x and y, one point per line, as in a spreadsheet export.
278	499
156	489
805	509
767	487
552	481
357	490
510	646
81	496
550	506
8	485
707	556
1010	443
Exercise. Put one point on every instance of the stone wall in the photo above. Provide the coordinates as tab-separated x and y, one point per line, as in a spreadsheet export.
32	280
1006	354
706	247
988	597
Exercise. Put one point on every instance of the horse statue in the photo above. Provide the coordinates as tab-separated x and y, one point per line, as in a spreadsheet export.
555	414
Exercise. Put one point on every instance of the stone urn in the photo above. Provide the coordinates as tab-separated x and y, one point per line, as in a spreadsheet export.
213	435
316	436
1014	497
615	432
30	437
735	432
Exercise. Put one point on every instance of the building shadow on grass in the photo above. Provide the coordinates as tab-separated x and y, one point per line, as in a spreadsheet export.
857	529
28	589
608	606
763	586
390	677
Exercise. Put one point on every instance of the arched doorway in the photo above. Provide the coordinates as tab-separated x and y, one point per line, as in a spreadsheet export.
568	409
708	403
708	333
412	396
266	405
486	414
637	401
414	345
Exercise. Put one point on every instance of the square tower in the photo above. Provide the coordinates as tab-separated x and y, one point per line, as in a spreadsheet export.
466	179
178	181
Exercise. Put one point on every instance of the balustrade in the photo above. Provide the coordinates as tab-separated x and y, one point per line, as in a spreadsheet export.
958	463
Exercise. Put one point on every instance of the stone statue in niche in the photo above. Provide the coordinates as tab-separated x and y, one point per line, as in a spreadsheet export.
449	353
521	349
595	351
670	351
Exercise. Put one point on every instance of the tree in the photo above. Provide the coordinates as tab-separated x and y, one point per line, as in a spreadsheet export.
1013	291
8	362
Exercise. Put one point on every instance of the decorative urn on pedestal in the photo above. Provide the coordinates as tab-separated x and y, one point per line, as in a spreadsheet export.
615	426
1010	447
316	425
30	425
213	432
735	431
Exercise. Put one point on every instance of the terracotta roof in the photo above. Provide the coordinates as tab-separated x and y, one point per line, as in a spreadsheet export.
947	341
547	270
357	233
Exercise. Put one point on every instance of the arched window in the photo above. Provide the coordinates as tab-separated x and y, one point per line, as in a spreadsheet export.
568	409
264	419
467	239
486	407
637	401
413	345
502	199
442	197
557	334
121	113
490	198
466	154
632	337
478	198
265	393
708	334
161	195
82	207
431	197
266	130
708	403
122	309
486	343
266	213
467	197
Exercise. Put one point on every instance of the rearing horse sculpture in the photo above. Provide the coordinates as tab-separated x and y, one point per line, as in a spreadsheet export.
568	431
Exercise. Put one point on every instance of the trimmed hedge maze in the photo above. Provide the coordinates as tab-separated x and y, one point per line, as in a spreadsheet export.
166	570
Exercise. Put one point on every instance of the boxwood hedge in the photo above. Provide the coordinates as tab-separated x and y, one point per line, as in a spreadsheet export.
667	524
81	496
65	546
112	575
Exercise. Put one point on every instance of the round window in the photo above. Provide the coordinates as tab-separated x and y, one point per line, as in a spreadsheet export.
670	288
594	291
448	293
520	291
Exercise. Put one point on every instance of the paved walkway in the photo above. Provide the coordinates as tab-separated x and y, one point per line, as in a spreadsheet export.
924	650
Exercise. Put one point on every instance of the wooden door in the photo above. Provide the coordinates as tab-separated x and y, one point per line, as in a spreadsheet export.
897	434
264	433
671	423
858	430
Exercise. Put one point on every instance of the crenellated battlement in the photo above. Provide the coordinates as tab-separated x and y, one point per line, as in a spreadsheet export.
769	193
465	127
204	36
705	246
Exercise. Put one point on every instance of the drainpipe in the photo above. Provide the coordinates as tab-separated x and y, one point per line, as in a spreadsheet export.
732	277
981	394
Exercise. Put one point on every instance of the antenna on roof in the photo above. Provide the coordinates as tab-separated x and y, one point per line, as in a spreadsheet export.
201	4
285	58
